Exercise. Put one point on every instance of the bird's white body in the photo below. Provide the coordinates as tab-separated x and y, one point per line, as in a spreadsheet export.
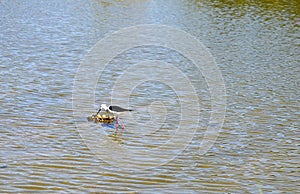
105	107
114	109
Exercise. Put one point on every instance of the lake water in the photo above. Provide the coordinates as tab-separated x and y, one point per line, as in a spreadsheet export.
47	144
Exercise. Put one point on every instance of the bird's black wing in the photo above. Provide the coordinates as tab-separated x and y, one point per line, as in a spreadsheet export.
118	109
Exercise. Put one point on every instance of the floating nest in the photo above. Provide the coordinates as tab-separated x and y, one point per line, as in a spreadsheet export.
102	117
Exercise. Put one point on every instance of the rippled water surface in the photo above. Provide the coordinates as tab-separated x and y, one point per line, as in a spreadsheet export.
42	145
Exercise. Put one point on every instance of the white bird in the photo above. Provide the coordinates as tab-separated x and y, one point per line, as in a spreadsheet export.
116	111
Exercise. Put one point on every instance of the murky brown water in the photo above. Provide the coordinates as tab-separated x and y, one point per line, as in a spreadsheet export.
256	47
